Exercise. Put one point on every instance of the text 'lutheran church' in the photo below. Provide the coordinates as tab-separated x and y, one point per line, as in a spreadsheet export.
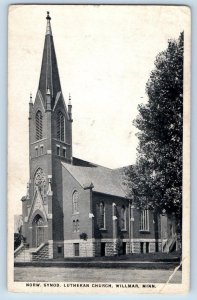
74	207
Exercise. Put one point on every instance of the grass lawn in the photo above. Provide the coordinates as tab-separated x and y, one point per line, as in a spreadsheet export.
54	274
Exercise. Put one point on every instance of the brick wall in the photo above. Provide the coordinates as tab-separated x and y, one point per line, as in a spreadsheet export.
68	127
109	200
50	163
57	205
85	222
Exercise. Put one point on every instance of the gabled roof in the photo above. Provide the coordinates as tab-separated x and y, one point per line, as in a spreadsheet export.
104	180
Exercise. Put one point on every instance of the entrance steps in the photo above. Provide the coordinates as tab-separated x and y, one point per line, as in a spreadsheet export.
169	245
25	255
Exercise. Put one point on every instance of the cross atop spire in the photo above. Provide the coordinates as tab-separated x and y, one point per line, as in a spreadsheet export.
30	100
69	99
48	17
48	30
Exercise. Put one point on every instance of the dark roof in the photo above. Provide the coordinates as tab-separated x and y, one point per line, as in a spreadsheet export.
80	162
104	180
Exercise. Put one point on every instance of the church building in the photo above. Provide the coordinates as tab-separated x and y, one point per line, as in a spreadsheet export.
74	207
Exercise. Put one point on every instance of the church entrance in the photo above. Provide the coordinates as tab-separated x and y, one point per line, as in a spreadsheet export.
38	231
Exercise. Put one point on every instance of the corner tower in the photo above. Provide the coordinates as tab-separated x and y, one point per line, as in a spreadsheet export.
50	143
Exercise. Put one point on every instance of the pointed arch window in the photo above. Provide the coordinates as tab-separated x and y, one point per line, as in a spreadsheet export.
76	225
123	218
38	220
60	126
75	202
102	215
39	125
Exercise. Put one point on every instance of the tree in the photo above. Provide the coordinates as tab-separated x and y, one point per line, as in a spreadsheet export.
156	179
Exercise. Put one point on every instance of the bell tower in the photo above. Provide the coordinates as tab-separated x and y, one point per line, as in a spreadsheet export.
50	143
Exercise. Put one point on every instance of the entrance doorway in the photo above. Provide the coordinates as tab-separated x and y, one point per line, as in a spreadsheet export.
38	231
102	249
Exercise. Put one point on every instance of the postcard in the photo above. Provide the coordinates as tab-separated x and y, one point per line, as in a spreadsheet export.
99	149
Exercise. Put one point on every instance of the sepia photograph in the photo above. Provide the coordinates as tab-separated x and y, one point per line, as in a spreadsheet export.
99	149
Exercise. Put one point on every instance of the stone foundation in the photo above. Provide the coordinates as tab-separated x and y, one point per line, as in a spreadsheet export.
110	248
136	247
151	246
68	249
50	249
92	247
89	248
128	248
41	254
86	248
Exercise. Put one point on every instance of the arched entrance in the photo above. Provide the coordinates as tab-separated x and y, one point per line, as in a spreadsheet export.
38	231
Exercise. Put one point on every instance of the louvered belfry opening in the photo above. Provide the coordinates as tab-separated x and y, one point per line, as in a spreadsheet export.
60	126
38	125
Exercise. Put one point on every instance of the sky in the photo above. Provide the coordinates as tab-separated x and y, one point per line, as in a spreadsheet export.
105	55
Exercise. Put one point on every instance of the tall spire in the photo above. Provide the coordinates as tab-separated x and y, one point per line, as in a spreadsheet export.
48	31
49	75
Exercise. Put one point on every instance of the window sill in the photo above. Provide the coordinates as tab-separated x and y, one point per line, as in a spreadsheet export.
144	231
102	229
123	230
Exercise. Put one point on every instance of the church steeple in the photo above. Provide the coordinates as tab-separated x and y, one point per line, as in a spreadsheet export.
48	31
49	75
